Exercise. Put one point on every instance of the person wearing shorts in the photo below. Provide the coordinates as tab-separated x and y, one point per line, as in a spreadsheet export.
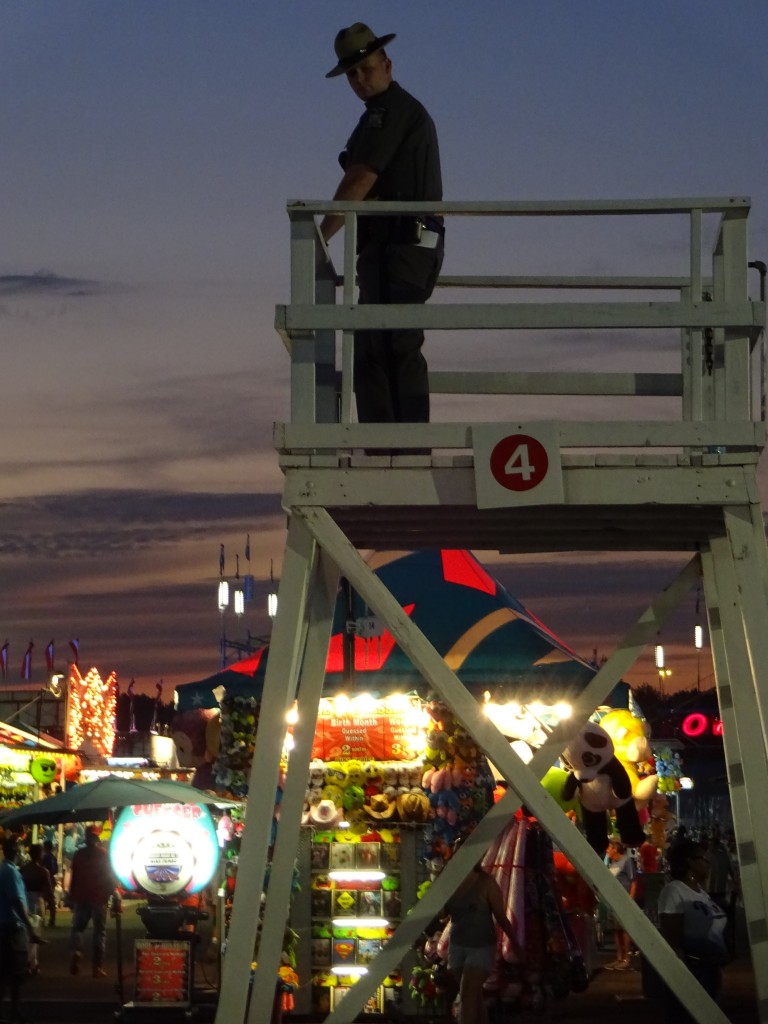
476	910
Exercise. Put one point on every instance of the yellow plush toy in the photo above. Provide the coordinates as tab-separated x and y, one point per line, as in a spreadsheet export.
630	736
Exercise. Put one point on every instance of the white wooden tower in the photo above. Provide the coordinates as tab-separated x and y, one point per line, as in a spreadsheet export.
683	484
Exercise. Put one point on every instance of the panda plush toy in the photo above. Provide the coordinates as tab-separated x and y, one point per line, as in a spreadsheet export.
599	780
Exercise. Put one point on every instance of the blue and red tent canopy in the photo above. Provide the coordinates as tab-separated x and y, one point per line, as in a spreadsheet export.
489	639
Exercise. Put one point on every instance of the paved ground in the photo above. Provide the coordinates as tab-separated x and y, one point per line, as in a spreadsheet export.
55	997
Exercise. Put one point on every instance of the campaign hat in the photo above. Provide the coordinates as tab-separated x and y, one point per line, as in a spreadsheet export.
354	44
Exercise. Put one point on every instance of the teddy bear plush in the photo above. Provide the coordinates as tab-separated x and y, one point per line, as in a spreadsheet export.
631	745
601	783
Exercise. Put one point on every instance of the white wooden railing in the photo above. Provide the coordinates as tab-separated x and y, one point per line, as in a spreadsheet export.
720	379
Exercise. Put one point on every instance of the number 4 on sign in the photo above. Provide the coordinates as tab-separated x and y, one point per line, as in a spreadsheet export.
521	467
519	463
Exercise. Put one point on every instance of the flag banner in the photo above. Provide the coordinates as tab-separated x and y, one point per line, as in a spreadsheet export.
4	659
221	560
74	646
49	657
248	548
26	665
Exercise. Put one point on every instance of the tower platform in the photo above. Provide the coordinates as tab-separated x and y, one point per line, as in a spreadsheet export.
681	477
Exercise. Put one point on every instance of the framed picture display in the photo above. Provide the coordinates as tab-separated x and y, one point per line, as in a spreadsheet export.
367	949
345	903
321	952
320	856
344	952
374	1003
321	999
343	856
367	856
391	905
390	856
369	903
321	903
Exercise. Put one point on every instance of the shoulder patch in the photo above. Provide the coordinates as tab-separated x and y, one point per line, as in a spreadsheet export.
376	117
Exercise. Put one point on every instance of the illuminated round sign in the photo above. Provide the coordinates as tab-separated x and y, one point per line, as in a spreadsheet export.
519	462
696	724
164	849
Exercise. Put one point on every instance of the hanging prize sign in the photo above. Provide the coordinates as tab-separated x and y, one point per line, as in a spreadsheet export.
164	849
517	464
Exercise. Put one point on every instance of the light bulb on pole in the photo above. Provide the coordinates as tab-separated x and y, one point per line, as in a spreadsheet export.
272	595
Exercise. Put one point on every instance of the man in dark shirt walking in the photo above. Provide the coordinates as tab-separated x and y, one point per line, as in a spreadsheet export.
90	888
392	154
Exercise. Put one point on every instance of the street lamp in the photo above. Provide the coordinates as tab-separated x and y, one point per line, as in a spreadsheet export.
658	653
272	595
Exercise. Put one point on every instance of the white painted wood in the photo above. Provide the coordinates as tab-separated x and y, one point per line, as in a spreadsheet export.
520	779
279	690
276	908
744	744
573	434
749	557
627	485
462	316
536	207
364	484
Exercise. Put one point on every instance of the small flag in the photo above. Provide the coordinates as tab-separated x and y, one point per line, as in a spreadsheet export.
74	646
153	723
131	713
237	567
4	659
221	560
26	664
49	657
248	548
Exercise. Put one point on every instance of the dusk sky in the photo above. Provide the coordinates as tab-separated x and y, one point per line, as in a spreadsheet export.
150	148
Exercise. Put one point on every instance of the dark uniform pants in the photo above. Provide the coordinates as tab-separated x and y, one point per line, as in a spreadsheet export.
390	372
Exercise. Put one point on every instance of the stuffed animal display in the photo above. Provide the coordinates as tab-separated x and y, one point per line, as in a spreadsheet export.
631	744
601	783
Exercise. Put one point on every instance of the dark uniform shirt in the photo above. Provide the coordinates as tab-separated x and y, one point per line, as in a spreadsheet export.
397	139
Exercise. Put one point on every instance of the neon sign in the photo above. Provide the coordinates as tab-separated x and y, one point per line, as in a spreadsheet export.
697	724
164	849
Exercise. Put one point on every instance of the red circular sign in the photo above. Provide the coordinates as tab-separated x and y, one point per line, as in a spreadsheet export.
519	462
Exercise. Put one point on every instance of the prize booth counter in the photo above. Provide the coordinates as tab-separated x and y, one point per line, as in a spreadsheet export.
393	783
30	764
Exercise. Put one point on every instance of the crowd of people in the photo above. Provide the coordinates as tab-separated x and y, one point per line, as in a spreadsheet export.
34	884
693	905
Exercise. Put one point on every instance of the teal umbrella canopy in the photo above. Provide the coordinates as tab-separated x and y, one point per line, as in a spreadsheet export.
95	801
491	640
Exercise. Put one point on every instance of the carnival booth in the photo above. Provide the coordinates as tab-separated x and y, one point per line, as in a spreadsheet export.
395	780
30	765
